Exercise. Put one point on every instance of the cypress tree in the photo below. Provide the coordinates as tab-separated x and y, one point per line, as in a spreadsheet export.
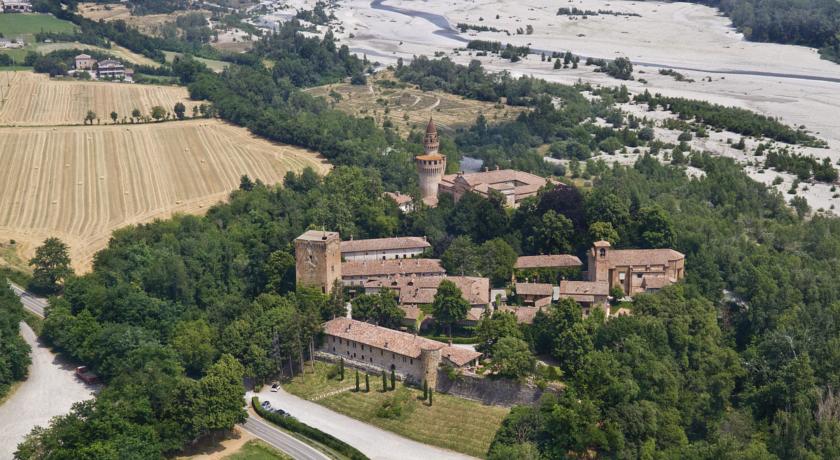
367	383
341	368
431	392
357	380
393	380
384	381
425	390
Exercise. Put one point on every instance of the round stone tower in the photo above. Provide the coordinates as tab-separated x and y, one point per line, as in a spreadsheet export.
430	360
430	166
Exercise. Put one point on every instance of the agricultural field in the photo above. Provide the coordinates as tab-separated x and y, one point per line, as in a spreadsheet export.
115	50
27	25
150	24
212	64
81	183
409	107
30	99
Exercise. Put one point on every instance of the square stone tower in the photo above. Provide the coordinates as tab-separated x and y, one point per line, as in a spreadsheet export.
318	259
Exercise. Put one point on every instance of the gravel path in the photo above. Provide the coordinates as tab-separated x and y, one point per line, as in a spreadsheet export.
50	390
372	441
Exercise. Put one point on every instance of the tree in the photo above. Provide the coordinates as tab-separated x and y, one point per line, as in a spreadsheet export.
90	116
380	308
114	117
51	266
384	381
425	389
449	305
493	328
218	402
367	383
180	109
512	357
341	370
136	114
655	228
357	380
603	231
497	259
193	341
431	392
393	380
280	272
158	112
462	257
552	234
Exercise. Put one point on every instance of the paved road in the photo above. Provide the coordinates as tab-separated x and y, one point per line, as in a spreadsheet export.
283	441
30	301
372	441
51	389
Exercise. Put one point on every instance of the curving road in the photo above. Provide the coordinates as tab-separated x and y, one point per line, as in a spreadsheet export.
283	441
374	442
30	301
51	389
445	29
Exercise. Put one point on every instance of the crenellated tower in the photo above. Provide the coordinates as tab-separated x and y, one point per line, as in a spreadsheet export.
431	165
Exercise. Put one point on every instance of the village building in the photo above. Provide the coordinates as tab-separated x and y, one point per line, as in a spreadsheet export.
403	201
524	315
384	248
318	259
634	270
415	291
589	294
16	6
6	43
414	359
356	273
110	69
513	185
546	268
535	294
84	62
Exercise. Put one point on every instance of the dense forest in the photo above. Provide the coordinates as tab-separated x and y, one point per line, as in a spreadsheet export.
814	23
14	352
738	361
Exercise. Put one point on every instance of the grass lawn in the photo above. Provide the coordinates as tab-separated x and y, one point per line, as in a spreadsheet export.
451	422
13	25
257	450
212	64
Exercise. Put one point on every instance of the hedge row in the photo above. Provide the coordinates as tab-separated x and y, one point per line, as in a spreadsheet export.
296	426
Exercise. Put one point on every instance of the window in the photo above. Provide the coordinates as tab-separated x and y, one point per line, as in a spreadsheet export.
411	361
333	349
603	252
621	276
371	359
639	275
363	357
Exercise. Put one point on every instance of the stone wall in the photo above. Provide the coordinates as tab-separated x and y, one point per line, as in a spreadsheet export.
493	391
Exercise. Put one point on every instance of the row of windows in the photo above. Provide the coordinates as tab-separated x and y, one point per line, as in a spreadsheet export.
370	348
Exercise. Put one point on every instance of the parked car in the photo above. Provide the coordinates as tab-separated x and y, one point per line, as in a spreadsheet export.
281	412
86	376
275	386
266	405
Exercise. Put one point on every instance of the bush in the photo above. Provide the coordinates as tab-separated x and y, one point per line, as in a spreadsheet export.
296	426
397	406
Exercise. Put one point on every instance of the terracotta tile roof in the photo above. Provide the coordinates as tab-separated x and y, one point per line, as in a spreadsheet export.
584	287
475	313
496	177
644	257
398	342
541	289
416	290
524	315
384	244
411	312
459	355
655	281
399	198
391	267
430	157
548	261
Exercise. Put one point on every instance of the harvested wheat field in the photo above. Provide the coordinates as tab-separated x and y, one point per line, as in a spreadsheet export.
408	107
80	183
30	99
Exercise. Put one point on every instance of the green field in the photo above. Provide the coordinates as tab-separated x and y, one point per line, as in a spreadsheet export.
442	424
257	450
215	66
15	25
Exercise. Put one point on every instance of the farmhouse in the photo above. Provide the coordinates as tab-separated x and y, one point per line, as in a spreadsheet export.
384	248
110	69
535	294
413	358
634	270
84	62
5	43
514	185
15	6
588	294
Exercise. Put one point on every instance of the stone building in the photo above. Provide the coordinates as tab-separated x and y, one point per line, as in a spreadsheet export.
110	69
513	185
15	6
384	248
84	62
535	294
357	273
430	166
413	358
634	270
589	294
318	259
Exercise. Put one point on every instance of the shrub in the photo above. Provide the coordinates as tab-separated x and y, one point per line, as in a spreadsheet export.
296	426
397	406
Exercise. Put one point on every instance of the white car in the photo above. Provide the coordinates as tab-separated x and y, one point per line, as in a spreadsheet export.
274	387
